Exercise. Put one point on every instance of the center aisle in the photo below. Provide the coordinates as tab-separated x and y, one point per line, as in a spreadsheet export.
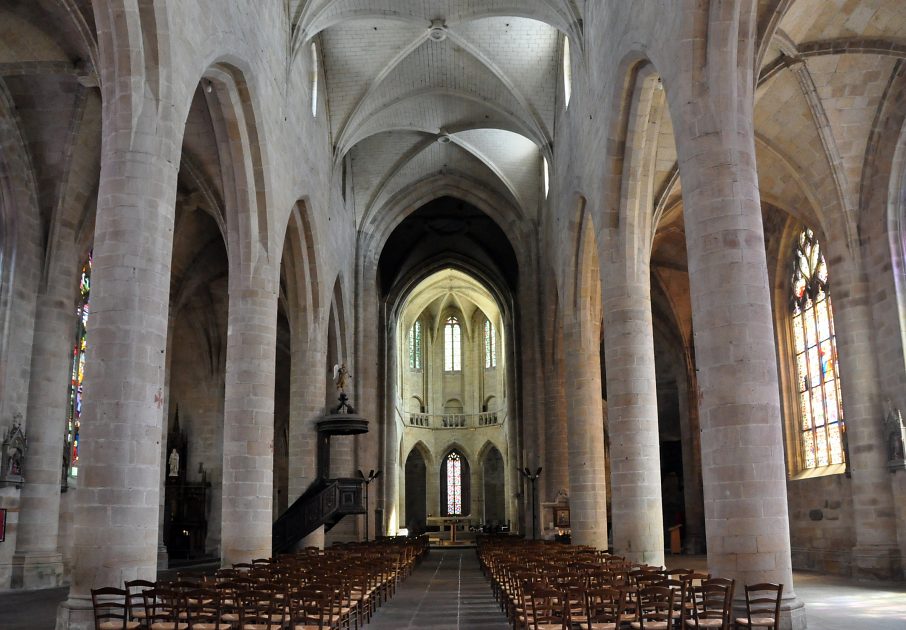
446	591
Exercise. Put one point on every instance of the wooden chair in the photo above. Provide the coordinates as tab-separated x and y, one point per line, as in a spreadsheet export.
165	609
711	605
573	593
679	589
604	605
134	599
111	611
311	609
545	608
655	608
762	606
261	610
203	610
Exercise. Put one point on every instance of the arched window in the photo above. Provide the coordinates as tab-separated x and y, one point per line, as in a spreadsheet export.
452	345
74	421
490	345
314	79
415	346
567	72
455	485
821	425
545	176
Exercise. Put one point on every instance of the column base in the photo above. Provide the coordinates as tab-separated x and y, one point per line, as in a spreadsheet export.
878	562
75	613
792	615
37	569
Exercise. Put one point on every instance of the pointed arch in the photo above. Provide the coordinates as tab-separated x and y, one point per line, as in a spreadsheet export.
299	273
493	482
337	342
239	144
415	471
455	483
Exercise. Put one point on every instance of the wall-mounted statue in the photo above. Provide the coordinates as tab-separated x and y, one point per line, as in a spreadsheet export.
895	433
14	447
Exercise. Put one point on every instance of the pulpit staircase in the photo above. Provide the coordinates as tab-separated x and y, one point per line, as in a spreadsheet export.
327	500
325	503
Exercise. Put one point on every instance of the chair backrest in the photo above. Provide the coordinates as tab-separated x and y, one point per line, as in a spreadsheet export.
545	607
713	600
134	599
604	605
763	601
262	608
574	604
163	604
110	607
203	606
655	606
311	605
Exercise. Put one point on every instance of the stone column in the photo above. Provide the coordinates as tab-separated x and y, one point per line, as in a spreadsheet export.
694	534
38	562
306	396
877	553
248	427
635	462
116	516
556	461
390	488
585	432
743	468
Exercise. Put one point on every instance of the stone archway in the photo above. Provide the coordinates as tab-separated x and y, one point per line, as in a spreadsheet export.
494	488
416	471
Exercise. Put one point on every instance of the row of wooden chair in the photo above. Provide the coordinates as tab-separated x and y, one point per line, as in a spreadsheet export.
552	586
340	587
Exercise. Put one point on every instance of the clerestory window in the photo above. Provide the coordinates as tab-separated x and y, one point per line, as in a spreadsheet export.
415	346
490	345
452	345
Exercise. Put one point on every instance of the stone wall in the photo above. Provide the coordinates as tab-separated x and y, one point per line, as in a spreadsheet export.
821	527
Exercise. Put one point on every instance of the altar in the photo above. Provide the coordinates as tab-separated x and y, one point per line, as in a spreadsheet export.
452	521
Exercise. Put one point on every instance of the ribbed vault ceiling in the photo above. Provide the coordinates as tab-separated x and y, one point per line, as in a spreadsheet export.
421	88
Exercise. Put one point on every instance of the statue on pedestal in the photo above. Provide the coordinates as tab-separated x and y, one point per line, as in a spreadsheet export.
895	434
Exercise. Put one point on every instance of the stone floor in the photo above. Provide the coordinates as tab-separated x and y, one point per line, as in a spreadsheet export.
447	591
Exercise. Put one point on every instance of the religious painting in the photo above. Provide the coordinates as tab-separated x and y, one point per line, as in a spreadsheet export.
561	517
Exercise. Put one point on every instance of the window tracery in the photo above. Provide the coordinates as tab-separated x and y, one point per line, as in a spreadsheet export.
452	345
77	374
821	427
454	483
415	346
490	345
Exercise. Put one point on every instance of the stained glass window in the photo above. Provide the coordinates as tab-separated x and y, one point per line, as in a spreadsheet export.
74	421
452	345
490	345
821	424
415	346
454	483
